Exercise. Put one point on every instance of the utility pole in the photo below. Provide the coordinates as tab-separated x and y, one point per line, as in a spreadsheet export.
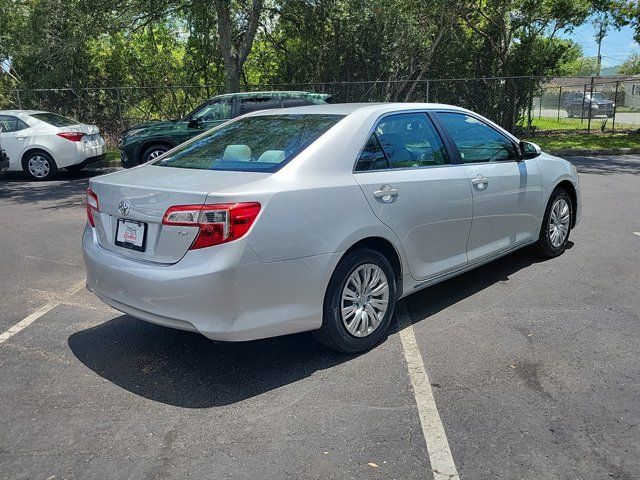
603	25
599	38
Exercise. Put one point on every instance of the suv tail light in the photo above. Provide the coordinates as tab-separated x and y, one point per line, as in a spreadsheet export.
71	136
218	224
91	202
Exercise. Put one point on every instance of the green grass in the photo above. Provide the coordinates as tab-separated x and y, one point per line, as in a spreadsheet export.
593	141
112	160
553	124
628	109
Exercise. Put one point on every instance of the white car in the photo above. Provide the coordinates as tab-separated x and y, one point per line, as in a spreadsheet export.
319	218
42	142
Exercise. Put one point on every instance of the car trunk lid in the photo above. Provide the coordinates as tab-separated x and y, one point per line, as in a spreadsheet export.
134	202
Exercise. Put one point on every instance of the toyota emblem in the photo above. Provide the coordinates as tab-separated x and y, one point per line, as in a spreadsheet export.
124	207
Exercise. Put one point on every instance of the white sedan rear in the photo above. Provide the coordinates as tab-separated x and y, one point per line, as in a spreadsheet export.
40	143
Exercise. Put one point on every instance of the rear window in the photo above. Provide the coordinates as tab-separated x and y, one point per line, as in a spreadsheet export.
54	119
254	144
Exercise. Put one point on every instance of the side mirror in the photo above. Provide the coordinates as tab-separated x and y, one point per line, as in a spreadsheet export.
529	150
194	123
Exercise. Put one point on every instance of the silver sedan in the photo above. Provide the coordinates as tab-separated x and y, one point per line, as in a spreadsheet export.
319	218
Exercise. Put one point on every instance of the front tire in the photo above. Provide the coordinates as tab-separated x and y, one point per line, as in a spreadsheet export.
556	225
153	152
359	302
39	166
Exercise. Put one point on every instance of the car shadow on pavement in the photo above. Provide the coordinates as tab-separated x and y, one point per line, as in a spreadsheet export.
607	165
185	369
434	299
67	190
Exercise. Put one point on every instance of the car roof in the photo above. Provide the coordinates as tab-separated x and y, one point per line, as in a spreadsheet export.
276	93
20	112
349	108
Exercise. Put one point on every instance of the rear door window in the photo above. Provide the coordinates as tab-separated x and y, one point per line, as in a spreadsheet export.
55	119
295	102
409	140
372	157
259	103
9	123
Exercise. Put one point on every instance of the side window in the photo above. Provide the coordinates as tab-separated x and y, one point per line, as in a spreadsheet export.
410	140
9	124
216	110
476	141
295	102
372	157
261	103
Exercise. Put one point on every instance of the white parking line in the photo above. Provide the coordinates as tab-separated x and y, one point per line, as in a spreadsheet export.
440	457
25	322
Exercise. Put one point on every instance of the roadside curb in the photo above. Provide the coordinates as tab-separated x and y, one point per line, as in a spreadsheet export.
580	152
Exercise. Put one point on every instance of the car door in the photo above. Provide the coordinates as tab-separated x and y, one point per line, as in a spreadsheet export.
408	179
14	135
507	191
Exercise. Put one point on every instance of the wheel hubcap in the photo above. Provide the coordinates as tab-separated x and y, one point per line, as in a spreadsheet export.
155	154
559	221
365	298
39	166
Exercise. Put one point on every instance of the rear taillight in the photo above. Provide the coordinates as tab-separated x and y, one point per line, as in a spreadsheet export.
91	202
71	136
217	223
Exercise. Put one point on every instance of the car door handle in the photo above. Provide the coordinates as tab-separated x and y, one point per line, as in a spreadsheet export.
21	137
386	193
480	181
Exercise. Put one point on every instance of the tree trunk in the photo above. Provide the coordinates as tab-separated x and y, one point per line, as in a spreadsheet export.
232	83
235	46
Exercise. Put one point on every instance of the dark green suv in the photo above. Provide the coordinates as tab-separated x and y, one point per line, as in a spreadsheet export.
144	142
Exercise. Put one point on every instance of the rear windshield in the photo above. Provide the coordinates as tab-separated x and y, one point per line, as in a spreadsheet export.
54	119
254	144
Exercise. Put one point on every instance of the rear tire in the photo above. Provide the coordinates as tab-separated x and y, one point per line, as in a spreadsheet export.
363	306
153	152
556	225
39	165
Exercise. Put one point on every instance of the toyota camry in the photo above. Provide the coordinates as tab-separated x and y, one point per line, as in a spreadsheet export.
319	218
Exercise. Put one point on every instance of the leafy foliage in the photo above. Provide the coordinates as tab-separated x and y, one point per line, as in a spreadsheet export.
233	44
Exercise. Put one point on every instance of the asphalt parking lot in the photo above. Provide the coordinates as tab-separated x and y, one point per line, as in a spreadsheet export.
534	366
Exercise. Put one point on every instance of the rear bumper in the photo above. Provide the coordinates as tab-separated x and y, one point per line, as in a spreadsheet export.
76	153
224	292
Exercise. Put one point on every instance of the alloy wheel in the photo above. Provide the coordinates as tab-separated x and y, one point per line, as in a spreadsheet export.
365	298
154	154
559	221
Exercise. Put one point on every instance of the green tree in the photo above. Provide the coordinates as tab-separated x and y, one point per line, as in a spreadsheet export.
631	66
580	67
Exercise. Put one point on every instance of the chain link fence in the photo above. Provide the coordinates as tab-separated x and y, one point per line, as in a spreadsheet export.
604	106
520	104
